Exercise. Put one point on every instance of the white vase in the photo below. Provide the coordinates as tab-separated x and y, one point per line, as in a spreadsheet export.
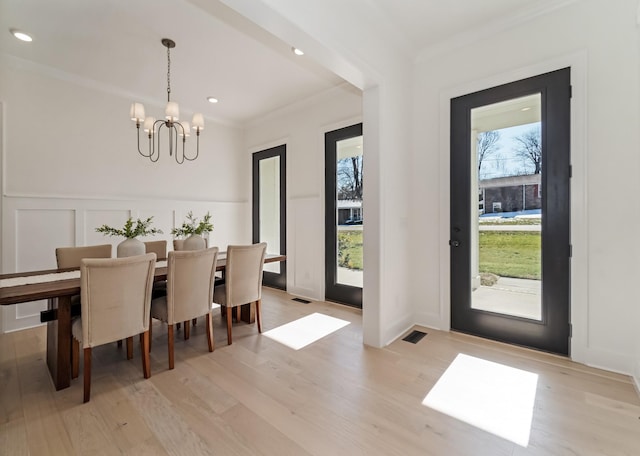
194	242
130	247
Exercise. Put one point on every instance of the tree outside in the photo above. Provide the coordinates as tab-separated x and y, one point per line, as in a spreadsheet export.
513	151
529	147
488	143
349	185
350	178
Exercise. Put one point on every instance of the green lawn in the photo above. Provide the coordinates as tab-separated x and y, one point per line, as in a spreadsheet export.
511	253
350	249
504	253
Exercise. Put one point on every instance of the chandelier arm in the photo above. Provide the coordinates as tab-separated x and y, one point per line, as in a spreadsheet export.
197	148
152	149
152	144
178	161
175	139
160	124
184	140
139	151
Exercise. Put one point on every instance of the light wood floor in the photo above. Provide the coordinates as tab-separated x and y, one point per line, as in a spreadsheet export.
334	397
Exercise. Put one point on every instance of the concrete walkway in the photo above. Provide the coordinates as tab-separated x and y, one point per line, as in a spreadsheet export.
509	227
517	297
350	277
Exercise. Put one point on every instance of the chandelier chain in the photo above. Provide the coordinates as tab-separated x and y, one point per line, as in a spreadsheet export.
168	74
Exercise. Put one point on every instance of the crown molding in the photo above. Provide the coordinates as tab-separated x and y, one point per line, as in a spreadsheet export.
117	199
490	29
19	63
300	104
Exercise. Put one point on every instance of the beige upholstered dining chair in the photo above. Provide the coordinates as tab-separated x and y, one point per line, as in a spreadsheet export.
115	300
243	281
178	244
157	247
190	282
70	257
160	249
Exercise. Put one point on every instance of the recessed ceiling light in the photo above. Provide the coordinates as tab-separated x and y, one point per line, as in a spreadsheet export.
212	99
21	35
296	51
527	108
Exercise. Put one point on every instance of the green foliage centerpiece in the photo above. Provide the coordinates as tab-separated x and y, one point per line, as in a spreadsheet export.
195	231
131	230
192	226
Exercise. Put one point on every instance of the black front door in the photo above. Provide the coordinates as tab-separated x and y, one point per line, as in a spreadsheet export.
270	210
510	239
344	227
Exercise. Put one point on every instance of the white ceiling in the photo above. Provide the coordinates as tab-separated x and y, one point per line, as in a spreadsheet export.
426	23
116	43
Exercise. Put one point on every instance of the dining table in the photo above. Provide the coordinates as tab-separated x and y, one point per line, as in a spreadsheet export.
57	286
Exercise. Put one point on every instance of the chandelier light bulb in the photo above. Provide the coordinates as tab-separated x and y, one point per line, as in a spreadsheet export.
172	111
198	122
148	125
137	112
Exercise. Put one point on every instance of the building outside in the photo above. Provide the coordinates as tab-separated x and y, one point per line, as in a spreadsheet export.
349	211
510	194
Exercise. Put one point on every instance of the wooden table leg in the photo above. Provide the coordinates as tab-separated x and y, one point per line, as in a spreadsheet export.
248	313
59	343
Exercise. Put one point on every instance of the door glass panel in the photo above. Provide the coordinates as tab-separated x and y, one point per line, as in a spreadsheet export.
506	161
270	208
349	215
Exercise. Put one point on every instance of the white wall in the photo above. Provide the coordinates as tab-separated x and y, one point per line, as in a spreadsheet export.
358	43
70	165
302	127
600	41
72	137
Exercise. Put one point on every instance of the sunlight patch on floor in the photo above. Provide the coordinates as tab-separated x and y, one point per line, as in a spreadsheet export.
304	331
493	397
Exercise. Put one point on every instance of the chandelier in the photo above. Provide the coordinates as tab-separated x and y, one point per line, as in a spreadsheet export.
176	130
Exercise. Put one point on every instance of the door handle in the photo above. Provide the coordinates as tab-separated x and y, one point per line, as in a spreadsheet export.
454	243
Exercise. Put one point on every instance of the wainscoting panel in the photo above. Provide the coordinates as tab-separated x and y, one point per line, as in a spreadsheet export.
29	312
306	264
32	228
38	233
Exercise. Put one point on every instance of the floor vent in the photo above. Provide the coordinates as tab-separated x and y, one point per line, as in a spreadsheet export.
415	336
303	301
